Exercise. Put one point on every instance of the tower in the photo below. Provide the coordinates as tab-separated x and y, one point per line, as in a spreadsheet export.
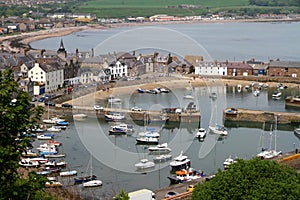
61	52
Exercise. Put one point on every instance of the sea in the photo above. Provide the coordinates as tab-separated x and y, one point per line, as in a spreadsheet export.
114	157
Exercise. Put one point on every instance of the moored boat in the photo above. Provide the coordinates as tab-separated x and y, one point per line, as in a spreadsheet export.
55	155
53	184
162	158
297	131
112	116
92	183
54	129
28	163
144	164
228	161
201	133
84	179
292	101
180	162
218	129
147	140
159	149
44	137
184	175
276	95
68	173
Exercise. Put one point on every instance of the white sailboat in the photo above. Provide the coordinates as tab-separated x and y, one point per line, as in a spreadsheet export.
270	152
93	182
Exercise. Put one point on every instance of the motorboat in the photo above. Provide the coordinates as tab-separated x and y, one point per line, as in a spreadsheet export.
61	155
297	131
29	153
151	91
213	95
144	164
180	162
256	93
44	172
153	134
140	90
68	173
292	101
114	100
115	130
40	160
188	96
228	161
112	116
55	143
239	87
44	137
53	120
53	184
147	140
92	183
162	158
28	163
54	129
62	123
53	169
218	129
159	149
53	163
47	149
84	179
201	133
122	129
184	175
164	90
276	95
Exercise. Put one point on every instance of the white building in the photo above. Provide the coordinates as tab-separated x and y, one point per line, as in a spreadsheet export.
118	69
211	68
46	77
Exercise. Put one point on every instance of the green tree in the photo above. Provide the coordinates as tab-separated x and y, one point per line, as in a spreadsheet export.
251	179
15	118
122	196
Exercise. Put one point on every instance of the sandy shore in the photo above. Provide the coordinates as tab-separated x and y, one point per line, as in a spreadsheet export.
26	38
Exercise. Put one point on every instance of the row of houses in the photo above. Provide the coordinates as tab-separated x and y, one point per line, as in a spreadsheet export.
44	71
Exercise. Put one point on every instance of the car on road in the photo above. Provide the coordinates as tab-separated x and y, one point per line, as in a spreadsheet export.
96	107
190	188
66	105
49	103
171	194
136	109
42	99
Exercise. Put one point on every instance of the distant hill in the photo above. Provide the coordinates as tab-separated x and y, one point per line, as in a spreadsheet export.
146	8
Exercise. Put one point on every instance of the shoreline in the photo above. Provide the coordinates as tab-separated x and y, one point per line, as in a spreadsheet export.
23	40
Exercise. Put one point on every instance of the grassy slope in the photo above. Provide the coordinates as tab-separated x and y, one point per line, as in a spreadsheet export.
125	8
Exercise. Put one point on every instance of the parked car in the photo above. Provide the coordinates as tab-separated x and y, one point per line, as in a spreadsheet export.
49	103
96	107
190	188
136	109
66	105
34	99
171	194
42	99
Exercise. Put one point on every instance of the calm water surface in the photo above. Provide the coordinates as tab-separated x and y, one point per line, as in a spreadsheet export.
115	156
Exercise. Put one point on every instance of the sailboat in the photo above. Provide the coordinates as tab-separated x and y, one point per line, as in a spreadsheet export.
270	153
89	178
217	128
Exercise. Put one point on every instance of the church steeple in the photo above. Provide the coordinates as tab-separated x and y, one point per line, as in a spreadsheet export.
61	50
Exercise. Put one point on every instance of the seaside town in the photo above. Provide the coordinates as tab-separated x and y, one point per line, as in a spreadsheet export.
69	84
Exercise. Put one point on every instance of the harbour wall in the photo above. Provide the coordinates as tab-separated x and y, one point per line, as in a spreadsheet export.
260	116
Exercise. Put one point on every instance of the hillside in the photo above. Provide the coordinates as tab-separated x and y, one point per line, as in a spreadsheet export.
146	8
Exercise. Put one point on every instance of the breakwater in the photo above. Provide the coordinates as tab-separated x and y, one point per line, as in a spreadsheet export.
260	116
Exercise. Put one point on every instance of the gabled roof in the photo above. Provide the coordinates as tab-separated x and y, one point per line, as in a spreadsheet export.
238	65
124	55
292	64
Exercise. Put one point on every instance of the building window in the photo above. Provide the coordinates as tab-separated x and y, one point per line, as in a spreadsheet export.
41	72
31	72
41	77
286	69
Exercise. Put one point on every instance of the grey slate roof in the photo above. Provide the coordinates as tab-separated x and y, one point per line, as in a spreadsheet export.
288	64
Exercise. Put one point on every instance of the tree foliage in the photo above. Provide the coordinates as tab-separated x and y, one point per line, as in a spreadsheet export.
275	2
15	118
122	196
252	179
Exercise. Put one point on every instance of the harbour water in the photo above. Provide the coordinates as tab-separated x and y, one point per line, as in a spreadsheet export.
115	156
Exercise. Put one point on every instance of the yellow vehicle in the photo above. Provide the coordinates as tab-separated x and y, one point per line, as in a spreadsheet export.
190	188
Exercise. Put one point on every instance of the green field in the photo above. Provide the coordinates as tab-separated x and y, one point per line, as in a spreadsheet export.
146	8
